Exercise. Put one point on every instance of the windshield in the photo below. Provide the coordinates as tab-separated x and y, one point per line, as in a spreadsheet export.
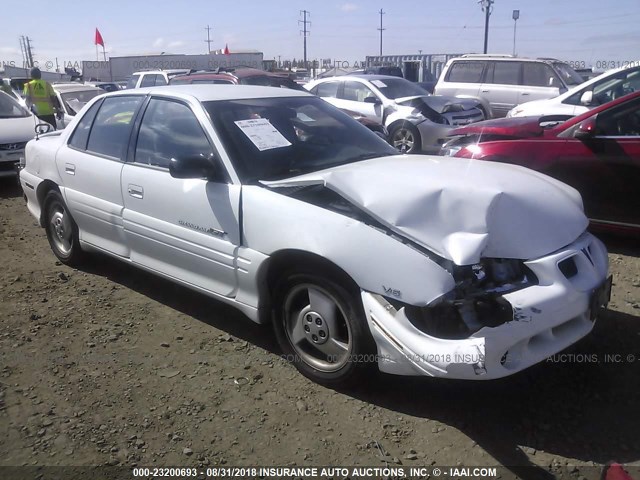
568	74
9	108
398	87
275	138
74	101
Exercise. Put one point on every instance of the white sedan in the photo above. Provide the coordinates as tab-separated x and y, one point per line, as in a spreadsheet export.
602	89
416	120
17	127
276	202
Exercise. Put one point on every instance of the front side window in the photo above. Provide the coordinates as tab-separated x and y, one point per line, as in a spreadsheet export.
112	126
623	121
398	88
160	80
169	130
356	92
538	75
568	74
274	138
466	72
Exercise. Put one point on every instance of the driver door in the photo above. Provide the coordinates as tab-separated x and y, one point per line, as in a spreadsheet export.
187	229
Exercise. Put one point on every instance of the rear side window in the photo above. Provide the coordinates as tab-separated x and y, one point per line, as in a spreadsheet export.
504	73
466	72
81	133
537	74
112	126
133	81
148	80
327	89
169	130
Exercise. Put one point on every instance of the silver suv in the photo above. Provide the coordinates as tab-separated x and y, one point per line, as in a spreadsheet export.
501	82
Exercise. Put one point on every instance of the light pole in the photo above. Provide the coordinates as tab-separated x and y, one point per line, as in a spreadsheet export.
515	16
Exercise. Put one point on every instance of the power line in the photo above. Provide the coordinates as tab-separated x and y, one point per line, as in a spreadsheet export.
381	29
305	33
208	40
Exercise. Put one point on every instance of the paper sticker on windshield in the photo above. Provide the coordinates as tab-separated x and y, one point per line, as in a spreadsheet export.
379	83
263	135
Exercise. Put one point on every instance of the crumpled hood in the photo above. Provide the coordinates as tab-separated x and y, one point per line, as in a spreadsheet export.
460	209
440	103
17	130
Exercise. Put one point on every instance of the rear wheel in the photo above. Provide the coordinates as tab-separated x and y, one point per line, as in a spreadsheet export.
321	328
62	231
406	138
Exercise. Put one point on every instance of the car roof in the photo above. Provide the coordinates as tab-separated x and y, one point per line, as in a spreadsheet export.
364	76
72	87
207	93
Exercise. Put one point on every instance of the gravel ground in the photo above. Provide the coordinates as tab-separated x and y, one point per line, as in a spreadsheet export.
111	365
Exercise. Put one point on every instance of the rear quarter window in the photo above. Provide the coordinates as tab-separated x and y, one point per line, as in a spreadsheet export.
466	72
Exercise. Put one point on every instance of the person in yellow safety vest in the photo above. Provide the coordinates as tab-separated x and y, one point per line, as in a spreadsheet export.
41	98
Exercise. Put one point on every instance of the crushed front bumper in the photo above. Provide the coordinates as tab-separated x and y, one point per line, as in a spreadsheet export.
547	318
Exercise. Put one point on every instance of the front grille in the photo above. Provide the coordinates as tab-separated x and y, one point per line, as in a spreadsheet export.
13	146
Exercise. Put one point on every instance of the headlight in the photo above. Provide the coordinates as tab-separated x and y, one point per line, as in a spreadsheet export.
450	151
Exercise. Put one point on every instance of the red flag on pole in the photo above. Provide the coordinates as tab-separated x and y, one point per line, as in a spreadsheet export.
99	40
226	49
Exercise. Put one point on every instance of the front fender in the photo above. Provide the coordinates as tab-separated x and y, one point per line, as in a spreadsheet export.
376	261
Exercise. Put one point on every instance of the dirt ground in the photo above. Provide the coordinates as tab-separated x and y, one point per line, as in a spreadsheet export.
111	365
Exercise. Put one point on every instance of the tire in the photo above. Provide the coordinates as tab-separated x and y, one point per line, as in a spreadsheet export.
322	330
406	138
62	231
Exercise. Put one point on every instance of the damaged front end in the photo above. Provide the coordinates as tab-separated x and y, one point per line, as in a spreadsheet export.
502	316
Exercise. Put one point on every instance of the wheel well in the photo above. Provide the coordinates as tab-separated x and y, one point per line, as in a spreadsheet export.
44	188
299	261
399	123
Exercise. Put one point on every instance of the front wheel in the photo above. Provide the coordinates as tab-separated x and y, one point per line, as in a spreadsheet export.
321	328
62	231
406	138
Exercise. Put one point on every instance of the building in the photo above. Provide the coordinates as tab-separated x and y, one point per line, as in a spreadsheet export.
121	68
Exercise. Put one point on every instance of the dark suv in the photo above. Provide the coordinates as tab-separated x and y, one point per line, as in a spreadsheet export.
237	76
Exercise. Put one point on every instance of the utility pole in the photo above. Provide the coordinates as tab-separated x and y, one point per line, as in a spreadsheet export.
208	40
305	33
515	16
27	50
381	29
486	8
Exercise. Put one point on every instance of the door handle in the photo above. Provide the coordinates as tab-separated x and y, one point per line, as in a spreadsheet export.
69	168
485	91
525	94
136	191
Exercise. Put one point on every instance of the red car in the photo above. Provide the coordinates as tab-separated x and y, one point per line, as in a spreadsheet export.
598	153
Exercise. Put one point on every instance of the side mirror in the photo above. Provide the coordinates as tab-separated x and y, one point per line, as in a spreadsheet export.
587	98
586	130
373	100
193	167
43	128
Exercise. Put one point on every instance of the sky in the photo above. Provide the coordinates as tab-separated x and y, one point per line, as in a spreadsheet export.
585	32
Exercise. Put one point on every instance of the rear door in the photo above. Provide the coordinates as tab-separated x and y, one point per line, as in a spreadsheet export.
352	96
463	77
90	165
501	86
187	229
